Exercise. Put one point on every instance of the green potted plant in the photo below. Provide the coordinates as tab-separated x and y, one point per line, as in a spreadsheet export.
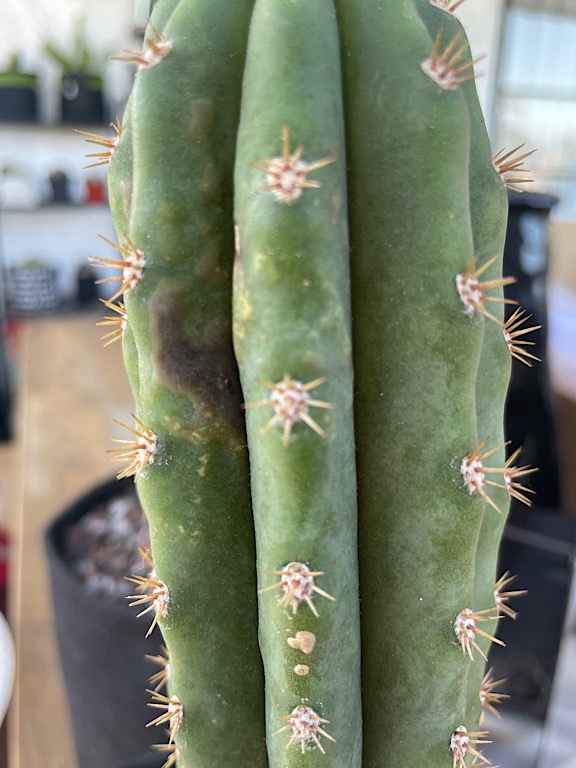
81	93
18	95
310	232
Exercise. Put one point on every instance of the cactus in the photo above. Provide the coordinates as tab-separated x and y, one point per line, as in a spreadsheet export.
310	232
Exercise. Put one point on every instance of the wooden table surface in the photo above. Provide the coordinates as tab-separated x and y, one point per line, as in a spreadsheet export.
69	390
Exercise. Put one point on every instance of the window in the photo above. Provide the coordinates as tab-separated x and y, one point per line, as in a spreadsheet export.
536	94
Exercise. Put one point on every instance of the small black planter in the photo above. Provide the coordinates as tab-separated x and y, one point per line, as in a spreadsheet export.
102	648
18	98
81	99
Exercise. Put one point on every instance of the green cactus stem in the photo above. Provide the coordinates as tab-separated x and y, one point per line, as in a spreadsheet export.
310	300
292	341
416	360
173	210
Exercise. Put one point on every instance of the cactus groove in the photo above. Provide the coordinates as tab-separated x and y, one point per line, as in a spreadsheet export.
309	295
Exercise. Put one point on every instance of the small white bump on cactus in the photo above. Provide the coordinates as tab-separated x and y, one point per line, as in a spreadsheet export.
291	402
297	581
512	332
172	715
471	289
442	65
160	679
108	142
117	322
489	698
506	163
305	726
501	598
302	669
131	266
156	49
286	176
466	628
140	453
156	599
463	743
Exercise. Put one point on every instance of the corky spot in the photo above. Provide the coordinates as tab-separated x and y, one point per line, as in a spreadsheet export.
303	641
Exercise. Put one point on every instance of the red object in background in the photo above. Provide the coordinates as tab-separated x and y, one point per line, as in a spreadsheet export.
95	193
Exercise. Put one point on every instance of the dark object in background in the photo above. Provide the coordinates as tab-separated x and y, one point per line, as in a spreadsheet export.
529	415
18	97
60	187
102	646
87	288
538	547
82	99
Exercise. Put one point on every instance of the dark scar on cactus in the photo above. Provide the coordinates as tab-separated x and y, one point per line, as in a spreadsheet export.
199	371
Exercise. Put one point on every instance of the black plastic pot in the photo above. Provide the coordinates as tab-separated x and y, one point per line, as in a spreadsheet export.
82	99
538	547
18	98
102	648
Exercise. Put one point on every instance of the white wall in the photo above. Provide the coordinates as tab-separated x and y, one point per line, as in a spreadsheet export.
483	20
63	236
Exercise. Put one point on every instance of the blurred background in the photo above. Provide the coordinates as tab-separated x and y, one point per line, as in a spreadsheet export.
61	389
